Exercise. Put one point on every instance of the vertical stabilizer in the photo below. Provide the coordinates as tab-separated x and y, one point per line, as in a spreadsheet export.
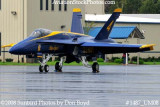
107	28
76	21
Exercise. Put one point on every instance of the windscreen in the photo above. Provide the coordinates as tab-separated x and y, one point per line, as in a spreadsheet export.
40	33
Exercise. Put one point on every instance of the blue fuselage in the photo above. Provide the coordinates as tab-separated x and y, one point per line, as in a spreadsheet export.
31	46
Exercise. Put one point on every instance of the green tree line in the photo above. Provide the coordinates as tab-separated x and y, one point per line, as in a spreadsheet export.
135	6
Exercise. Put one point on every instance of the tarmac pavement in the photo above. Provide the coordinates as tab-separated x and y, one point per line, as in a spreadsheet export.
77	86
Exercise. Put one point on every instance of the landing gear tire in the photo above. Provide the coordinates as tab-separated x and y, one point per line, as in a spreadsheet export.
46	68
95	67
41	68
58	68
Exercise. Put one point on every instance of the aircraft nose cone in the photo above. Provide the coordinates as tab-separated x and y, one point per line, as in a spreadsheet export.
14	50
10	50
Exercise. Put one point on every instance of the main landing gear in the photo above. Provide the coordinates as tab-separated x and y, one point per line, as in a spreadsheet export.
59	65
95	66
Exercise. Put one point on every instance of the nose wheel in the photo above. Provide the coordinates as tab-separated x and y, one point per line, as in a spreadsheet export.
44	68
41	68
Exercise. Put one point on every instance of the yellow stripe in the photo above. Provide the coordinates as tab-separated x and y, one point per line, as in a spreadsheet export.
147	46
10	45
58	32
76	10
118	10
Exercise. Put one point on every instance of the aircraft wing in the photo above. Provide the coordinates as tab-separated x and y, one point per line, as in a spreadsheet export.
119	48
69	42
106	48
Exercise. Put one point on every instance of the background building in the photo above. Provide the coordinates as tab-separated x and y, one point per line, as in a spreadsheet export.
18	18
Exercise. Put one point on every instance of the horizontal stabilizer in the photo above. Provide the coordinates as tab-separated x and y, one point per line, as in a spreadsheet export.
147	46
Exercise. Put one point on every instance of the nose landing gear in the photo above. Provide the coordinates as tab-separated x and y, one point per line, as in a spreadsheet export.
41	68
44	66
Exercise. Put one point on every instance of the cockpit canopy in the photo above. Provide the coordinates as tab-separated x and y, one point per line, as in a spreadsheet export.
40	33
61	35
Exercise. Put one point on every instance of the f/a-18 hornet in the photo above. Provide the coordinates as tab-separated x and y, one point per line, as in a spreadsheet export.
74	45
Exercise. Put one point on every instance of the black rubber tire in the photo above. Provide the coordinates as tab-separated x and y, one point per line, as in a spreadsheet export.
41	68
57	67
95	67
46	68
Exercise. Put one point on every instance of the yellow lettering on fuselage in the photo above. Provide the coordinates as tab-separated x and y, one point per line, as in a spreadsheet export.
39	48
51	48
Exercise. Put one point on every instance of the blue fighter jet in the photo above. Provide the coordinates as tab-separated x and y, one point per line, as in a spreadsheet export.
74	45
